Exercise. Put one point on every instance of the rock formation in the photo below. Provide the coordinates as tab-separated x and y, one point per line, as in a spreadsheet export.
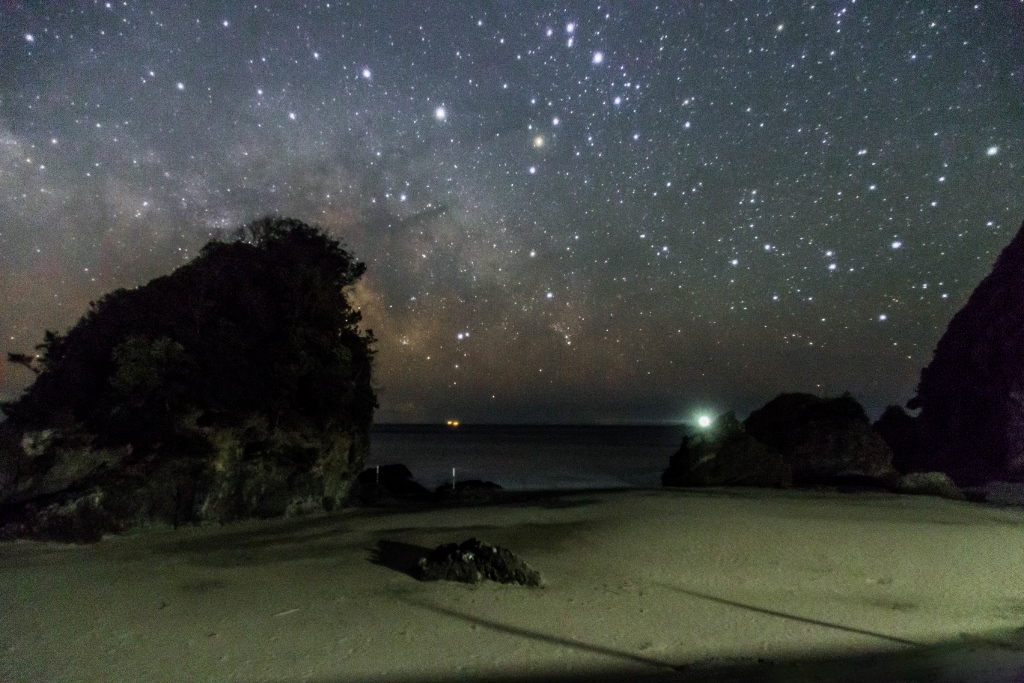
467	490
724	454
237	386
387	485
900	431
930	484
473	561
971	394
824	441
795	439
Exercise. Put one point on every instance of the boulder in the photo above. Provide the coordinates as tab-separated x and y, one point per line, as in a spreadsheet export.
825	441
724	454
473	561
900	431
930	484
1005	493
468	490
971	394
387	485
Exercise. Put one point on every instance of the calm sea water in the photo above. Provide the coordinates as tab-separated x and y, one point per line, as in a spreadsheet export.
521	457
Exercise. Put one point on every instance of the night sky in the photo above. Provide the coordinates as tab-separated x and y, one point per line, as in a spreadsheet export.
570	212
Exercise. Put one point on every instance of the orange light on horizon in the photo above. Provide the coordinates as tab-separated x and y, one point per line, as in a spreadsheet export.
453	423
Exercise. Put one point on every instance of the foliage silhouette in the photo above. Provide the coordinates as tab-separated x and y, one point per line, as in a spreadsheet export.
260	325
237	386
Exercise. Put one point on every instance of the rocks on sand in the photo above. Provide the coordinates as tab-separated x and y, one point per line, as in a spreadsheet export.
724	454
795	439
930	484
387	485
473	561
467	490
823	440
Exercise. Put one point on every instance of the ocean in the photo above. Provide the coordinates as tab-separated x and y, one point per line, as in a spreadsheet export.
529	457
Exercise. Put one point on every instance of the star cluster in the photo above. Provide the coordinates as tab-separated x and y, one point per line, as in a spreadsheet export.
570	212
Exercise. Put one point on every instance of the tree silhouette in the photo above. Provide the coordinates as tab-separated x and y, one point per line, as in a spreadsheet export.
258	325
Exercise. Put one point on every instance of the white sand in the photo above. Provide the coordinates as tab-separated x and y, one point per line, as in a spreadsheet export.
636	581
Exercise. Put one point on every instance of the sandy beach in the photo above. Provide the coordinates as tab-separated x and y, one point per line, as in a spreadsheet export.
716	584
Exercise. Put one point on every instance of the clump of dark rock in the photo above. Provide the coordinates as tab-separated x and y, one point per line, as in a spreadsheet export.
795	439
930	484
238	386
473	561
900	431
825	441
1004	493
387	485
724	454
971	394
467	489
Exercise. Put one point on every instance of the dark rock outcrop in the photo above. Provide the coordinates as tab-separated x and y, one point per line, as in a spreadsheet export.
930	484
468	490
724	454
387	485
238	386
900	431
473	561
825	441
1004	493
971	394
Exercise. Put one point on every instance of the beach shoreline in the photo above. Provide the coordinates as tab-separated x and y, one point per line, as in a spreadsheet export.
637	583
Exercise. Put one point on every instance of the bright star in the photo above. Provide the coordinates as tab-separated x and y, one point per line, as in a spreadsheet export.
704	421
992	151
598	57
440	114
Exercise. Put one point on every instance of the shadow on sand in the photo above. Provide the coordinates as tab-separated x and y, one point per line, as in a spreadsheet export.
965	660
996	657
401	557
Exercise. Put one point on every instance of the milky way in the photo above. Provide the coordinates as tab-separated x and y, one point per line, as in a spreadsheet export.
570	212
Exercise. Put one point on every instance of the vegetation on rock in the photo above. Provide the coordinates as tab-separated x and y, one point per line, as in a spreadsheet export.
241	383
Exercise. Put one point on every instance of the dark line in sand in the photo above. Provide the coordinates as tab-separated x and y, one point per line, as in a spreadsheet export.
794	617
533	635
